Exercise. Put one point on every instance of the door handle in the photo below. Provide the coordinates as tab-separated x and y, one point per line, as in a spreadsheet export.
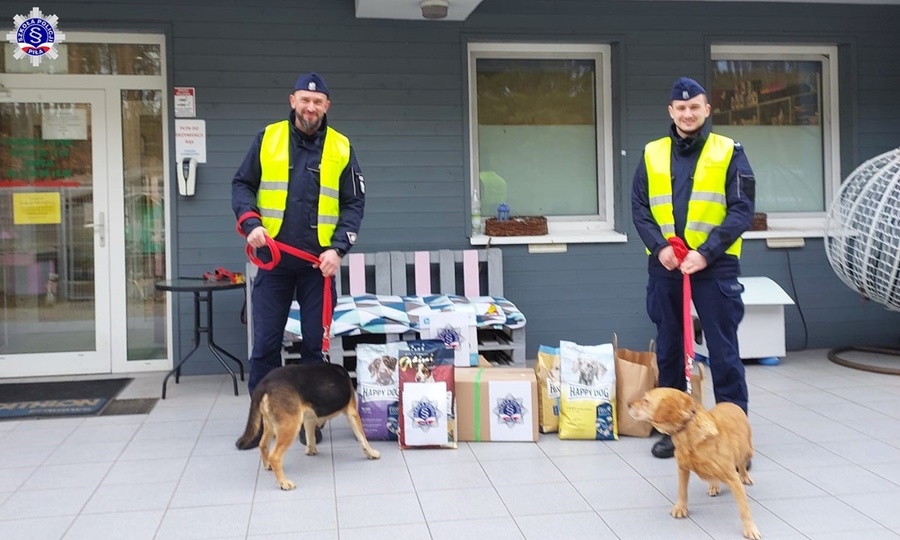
99	227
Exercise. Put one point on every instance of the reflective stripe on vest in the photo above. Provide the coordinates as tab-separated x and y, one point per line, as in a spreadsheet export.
274	159
707	206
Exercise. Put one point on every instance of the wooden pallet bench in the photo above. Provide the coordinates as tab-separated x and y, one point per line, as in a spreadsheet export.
468	273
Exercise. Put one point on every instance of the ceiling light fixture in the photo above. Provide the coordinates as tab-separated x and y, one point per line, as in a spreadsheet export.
434	9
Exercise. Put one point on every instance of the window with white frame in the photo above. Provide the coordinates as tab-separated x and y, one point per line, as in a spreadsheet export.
541	134
781	103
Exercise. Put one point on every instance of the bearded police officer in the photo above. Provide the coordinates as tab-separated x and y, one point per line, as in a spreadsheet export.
300	185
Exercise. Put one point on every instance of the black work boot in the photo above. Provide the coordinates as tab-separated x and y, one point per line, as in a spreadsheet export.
303	435
664	447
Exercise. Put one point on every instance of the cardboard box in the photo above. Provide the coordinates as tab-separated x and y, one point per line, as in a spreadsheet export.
496	404
457	329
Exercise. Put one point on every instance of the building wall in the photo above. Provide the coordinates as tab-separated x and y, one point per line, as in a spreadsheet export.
398	91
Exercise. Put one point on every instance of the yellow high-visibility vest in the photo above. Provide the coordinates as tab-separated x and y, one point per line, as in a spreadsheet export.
275	161
707	206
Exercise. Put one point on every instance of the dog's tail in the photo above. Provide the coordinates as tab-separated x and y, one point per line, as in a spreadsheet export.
253	431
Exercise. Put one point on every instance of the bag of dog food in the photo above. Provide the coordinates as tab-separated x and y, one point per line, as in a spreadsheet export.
587	393
547	372
378	390
636	372
427	397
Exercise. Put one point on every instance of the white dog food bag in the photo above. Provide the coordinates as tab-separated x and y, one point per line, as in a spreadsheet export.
587	395
378	389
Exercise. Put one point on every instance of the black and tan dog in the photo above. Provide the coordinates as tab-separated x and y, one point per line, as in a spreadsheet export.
296	395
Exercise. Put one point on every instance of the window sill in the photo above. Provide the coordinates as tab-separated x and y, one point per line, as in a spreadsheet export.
559	233
812	227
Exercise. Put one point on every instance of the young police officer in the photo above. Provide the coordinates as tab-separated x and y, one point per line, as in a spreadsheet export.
698	186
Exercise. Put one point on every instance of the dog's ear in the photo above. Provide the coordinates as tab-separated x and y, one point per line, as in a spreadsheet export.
706	427
373	367
666	411
390	362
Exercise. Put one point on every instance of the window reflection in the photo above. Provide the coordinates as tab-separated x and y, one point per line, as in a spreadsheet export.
145	234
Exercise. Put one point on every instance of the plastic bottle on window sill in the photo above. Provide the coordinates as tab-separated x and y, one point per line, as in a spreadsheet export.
476	214
503	212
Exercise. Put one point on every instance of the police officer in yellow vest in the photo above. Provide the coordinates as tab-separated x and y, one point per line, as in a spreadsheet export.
698	186
302	178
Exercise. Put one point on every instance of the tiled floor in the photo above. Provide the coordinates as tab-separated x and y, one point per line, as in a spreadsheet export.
827	466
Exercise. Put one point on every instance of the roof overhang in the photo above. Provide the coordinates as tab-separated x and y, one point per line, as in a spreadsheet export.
457	10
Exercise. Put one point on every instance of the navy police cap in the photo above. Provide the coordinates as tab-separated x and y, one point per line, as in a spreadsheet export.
686	88
312	82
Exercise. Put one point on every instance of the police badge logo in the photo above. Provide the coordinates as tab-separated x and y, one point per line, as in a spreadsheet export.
510	411
451	337
35	36
425	414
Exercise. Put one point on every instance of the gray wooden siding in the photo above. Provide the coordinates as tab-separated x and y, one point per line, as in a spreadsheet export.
398	90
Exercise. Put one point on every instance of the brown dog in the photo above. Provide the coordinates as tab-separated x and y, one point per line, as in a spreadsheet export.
715	445
296	395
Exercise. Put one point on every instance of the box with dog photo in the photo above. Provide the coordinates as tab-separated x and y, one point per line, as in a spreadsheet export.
497	404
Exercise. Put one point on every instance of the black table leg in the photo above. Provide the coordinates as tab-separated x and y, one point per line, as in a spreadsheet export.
177	369
216	350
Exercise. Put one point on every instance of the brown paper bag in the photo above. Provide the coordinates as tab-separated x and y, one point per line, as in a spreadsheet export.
701	385
636	372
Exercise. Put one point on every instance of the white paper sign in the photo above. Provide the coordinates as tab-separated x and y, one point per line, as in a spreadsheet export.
456	328
185	102
425	413
511	410
64	123
190	139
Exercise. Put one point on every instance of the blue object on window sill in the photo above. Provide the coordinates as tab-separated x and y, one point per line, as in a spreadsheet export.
503	212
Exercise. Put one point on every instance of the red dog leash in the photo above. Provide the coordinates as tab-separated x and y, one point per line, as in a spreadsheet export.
275	248
687	321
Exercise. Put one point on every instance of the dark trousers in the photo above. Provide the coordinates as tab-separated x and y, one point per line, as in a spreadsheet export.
273	292
720	309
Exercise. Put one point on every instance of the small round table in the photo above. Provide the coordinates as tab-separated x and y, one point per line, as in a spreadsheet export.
203	290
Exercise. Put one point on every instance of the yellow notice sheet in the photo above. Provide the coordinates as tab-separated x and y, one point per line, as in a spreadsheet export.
36	208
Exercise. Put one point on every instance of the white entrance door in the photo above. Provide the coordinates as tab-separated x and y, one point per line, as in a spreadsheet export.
54	236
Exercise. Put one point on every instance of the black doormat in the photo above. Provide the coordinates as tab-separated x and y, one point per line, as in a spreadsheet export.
55	399
120	407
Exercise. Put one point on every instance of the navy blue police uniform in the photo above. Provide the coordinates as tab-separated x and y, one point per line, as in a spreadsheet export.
715	290
293	278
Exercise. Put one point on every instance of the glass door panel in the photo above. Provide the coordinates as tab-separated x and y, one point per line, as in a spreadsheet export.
54	319
145	232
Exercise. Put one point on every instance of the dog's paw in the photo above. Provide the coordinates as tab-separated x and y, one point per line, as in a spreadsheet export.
746	480
751	532
373	454
311	451
267	466
287	485
714	489
679	511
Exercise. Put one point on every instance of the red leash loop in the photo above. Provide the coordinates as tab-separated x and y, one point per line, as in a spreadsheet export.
687	321
275	248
